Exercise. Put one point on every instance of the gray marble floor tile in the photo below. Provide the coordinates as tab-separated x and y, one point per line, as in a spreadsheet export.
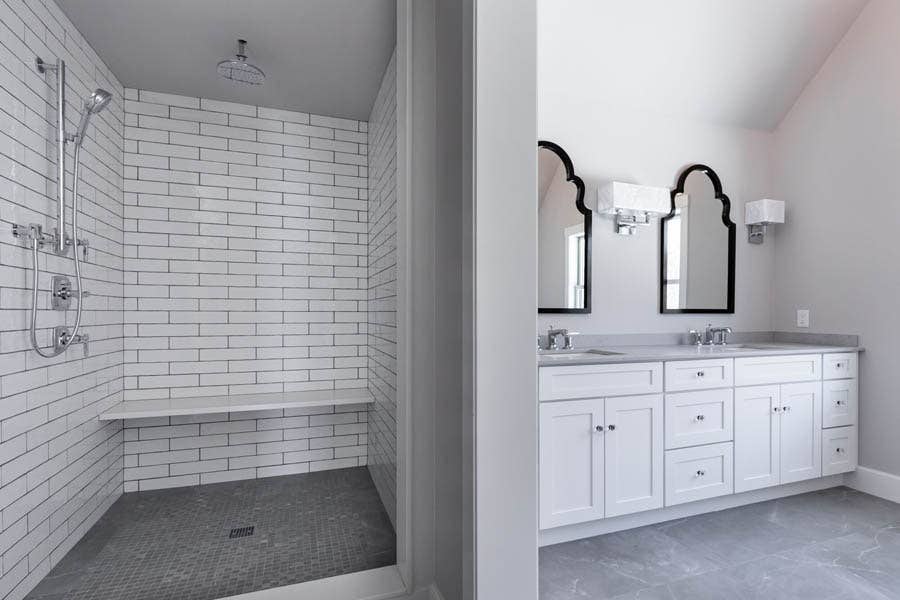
619	563
836	544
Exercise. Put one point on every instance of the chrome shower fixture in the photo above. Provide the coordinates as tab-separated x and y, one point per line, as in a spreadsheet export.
34	236
95	103
238	69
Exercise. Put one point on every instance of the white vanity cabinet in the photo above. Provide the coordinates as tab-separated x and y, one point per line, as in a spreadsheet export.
621	438
840	410
571	462
777	434
600	457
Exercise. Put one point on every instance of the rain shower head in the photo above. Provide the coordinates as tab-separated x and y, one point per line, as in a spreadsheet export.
238	69
96	102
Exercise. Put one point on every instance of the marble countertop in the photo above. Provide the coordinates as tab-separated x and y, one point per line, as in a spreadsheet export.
627	354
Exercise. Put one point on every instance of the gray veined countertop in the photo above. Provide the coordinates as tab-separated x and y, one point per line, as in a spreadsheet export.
626	354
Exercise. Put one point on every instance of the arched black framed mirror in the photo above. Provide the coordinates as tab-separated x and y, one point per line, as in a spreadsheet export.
697	247
564	235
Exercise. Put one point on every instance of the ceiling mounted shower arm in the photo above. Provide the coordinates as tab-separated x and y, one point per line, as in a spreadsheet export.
60	246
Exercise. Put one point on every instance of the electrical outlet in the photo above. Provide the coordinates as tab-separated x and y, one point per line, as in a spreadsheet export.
803	317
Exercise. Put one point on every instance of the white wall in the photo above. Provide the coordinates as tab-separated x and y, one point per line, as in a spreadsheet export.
382	292
609	143
505	299
59	467
835	161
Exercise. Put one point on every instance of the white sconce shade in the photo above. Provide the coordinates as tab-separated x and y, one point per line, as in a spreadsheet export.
759	214
764	212
632	204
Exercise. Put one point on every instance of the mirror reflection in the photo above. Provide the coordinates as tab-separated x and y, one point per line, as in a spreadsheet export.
698	246
563	235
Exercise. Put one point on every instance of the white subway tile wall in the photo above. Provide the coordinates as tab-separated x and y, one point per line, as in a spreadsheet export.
382	313
177	451
60	468
246	255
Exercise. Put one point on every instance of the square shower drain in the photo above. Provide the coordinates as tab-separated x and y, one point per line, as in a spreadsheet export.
239	532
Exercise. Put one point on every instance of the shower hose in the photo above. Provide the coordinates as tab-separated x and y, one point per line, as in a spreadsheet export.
57	350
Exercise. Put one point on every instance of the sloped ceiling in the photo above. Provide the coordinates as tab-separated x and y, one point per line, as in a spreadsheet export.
732	62
320	56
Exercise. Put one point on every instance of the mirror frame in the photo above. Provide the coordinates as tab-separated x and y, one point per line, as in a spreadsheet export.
726	220
579	204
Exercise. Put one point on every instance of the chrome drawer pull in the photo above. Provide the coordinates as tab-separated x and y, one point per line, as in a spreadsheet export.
700	418
839	450
701	473
700	373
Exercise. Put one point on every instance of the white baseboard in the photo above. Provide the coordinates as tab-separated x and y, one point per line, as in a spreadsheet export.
875	482
569	533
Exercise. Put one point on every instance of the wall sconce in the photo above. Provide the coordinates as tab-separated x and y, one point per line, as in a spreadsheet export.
632	205
759	214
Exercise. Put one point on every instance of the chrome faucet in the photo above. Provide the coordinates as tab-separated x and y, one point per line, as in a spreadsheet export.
553	334
716	336
712	336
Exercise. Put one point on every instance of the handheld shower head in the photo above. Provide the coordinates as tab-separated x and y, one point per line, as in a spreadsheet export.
95	103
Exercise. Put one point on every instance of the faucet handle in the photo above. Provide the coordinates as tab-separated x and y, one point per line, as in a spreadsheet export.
568	338
695	338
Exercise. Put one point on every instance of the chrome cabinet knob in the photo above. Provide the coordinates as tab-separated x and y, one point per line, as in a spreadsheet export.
701	473
839	402
599	428
776	409
837	365
700	373
700	417
611	427
786	409
839	450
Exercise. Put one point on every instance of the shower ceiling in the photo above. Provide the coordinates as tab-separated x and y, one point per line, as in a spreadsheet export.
320	56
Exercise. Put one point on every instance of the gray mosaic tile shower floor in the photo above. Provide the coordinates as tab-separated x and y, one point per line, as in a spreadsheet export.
175	544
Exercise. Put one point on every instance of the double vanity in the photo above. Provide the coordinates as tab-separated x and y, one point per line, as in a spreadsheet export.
625	430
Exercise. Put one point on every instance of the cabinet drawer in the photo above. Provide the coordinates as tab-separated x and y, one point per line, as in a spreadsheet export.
593	381
839	366
761	370
701	417
839	402
839	450
699	473
699	374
